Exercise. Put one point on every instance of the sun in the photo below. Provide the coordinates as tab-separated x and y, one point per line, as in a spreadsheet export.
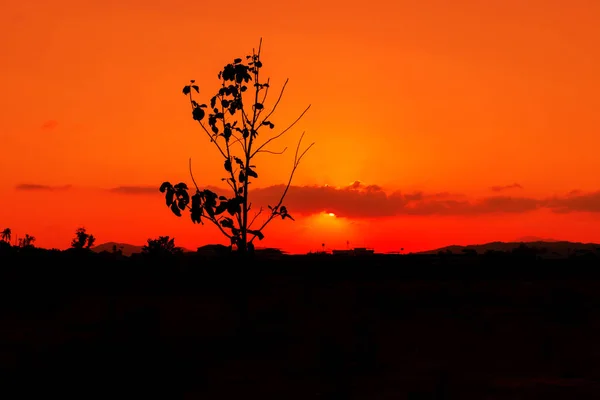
331	214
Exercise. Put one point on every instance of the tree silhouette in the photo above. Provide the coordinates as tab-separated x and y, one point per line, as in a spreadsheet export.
82	239
6	235
161	247
233	127
26	241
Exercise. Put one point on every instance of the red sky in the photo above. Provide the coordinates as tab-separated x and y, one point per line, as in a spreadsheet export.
463	122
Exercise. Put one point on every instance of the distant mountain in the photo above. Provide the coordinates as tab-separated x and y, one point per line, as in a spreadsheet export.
127	249
556	248
528	239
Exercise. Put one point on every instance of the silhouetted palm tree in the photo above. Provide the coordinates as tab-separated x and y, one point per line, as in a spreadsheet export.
27	241
6	235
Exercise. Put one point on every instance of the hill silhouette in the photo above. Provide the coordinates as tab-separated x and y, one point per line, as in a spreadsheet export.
555	248
126	248
548	246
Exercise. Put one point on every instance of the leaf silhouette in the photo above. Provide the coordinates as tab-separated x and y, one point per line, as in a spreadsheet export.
164	186
175	209
198	114
251	172
258	234
170	196
196	211
227	223
239	161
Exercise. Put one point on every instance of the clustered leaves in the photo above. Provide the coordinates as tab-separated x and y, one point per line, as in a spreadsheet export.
209	205
235	78
226	117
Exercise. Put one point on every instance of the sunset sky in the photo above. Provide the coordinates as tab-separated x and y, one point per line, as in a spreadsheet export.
436	122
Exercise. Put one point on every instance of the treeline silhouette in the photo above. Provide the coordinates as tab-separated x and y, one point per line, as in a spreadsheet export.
220	325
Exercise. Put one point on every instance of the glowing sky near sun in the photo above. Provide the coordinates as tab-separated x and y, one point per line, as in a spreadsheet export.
435	122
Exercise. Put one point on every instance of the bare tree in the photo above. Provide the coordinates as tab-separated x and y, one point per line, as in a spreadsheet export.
233	121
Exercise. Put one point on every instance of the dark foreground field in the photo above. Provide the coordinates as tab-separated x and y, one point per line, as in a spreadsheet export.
403	327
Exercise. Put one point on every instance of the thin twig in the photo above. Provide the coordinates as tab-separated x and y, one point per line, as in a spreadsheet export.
230	184
214	221
255	216
266	93
277	102
284	131
206	130
237	139
272	152
262	102
192	175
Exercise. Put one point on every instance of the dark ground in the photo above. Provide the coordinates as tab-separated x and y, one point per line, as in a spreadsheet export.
301	328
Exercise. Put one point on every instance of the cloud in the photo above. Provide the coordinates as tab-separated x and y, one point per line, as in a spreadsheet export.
49	125
36	187
371	201
135	190
151	190
506	187
359	200
362	201
575	201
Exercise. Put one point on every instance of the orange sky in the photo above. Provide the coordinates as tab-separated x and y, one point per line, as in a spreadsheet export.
464	121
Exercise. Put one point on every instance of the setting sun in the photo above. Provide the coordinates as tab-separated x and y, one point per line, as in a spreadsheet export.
331	214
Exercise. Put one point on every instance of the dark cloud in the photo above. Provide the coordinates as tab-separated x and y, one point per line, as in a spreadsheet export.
371	201
144	190
506	187
33	186
49	125
575	201
135	189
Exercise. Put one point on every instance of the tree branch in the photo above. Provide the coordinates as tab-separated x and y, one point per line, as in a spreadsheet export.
255	216
214	221
233	185
297	160
277	102
264	97
206	130
192	175
272	152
